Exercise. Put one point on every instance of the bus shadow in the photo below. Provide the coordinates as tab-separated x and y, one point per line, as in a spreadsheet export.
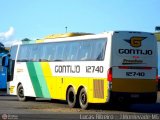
137	108
146	108
50	101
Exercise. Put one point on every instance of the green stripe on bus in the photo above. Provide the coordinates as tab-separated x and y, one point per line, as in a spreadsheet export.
42	80
34	79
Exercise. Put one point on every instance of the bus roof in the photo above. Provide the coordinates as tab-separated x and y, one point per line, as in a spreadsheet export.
72	34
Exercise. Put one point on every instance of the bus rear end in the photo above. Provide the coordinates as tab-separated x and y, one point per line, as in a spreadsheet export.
133	72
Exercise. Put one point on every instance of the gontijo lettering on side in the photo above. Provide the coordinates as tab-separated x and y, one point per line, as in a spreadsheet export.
67	69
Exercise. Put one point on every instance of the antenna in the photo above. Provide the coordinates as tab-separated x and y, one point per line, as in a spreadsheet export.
66	29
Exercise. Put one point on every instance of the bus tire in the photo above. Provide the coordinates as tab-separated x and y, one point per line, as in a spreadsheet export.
71	97
83	100
20	93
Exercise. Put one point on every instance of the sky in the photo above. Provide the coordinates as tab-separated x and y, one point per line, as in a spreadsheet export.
35	19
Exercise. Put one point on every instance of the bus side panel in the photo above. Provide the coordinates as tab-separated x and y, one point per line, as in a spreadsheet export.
96	84
53	82
98	91
58	85
22	76
75	82
95	87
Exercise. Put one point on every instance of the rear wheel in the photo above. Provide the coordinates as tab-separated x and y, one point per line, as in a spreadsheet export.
83	100
71	97
20	93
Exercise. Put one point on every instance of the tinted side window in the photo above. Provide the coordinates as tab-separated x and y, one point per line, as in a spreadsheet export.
44	56
91	50
59	52
98	50
72	51
47	52
24	53
82	50
34	52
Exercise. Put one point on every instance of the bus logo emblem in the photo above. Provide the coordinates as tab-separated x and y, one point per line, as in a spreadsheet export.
135	41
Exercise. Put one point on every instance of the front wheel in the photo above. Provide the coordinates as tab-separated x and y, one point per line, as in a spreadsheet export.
83	100
20	93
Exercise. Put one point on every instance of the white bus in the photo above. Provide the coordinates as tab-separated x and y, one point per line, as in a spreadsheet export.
109	67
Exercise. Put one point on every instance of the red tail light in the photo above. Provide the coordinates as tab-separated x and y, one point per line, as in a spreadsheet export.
123	67
110	75
157	76
147	68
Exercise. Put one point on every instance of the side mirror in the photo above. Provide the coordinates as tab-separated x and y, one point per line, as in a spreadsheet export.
5	61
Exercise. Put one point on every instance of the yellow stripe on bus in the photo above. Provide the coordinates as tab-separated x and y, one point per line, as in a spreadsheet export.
48	77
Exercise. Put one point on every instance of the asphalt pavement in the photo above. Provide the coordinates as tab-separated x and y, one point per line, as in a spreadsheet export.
11	108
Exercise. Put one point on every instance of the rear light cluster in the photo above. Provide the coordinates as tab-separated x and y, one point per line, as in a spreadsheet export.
109	75
157	76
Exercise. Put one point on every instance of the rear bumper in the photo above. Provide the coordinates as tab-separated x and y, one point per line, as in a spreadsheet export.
134	85
123	97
